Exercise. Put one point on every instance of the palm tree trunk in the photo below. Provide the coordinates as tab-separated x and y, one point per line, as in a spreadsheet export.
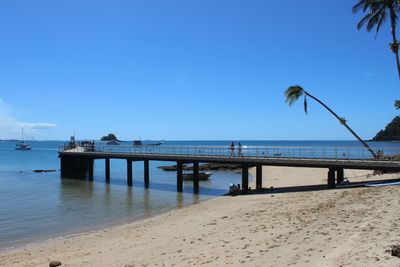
395	43
345	125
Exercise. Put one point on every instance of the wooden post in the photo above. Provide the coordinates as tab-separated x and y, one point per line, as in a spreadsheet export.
331	178
196	177
245	177
339	176
146	173
259	176
91	167
129	172
107	170
179	177
63	166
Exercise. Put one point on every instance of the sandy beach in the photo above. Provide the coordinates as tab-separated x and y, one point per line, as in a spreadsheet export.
339	227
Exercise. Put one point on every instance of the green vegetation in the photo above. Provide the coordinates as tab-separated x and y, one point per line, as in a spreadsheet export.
293	93
377	12
109	137
391	131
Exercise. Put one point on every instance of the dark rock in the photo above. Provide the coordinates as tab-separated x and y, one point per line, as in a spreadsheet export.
54	263
395	251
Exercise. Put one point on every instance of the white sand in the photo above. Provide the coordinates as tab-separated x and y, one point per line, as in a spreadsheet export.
341	227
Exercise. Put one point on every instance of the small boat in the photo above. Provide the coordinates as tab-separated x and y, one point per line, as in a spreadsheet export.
21	145
40	170
203	176
140	143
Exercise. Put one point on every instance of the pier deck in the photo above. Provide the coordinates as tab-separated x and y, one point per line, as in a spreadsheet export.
79	160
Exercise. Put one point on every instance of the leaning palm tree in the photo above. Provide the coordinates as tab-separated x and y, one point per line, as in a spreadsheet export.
293	93
377	13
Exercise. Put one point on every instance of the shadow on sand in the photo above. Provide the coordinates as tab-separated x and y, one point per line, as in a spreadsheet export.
310	188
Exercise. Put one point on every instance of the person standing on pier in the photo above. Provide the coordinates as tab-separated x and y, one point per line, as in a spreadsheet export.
239	149
232	150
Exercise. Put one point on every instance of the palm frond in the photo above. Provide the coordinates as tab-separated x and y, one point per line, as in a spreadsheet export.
397	104
381	20
293	93
376	13
359	5
363	21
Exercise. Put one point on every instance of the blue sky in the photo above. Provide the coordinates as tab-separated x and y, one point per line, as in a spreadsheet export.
192	70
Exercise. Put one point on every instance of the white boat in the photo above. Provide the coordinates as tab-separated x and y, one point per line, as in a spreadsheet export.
22	145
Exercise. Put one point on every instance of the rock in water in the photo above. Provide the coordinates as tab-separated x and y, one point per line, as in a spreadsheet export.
54	263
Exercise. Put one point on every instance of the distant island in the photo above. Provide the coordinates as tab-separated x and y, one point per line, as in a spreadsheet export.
110	137
391	131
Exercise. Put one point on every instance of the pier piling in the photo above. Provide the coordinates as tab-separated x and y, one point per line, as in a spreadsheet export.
258	176
90	168
129	172
245	177
146	174
196	177
339	176
331	178
179	176
107	162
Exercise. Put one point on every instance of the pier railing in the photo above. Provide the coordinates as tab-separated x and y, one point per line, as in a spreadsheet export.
299	152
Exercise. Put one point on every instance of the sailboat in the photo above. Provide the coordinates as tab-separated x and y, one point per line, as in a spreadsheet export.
22	145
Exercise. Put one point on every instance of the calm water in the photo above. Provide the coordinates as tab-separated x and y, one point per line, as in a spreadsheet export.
36	206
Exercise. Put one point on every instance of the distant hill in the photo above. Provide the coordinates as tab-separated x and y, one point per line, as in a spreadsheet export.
109	137
391	131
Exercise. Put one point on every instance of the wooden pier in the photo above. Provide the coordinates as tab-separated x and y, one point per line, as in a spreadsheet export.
78	161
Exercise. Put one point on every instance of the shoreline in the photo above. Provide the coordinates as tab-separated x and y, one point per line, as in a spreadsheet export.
328	227
89	230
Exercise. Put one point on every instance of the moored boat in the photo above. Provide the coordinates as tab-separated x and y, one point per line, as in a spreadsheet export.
203	176
140	143
22	145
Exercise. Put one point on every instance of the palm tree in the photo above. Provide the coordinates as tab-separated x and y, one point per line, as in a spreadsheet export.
293	93
377	13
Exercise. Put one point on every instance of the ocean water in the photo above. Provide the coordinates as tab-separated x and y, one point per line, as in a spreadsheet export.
37	206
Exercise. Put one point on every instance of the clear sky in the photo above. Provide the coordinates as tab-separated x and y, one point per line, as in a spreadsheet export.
190	69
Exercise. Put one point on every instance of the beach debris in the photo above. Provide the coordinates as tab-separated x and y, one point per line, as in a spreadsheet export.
395	251
54	263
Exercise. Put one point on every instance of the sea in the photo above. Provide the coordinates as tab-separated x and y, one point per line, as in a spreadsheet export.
39	206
